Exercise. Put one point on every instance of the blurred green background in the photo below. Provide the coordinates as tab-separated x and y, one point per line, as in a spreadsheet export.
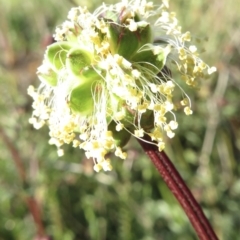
131	202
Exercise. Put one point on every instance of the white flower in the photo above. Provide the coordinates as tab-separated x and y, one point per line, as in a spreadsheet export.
107	78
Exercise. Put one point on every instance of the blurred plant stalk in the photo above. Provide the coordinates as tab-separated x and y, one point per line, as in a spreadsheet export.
30	200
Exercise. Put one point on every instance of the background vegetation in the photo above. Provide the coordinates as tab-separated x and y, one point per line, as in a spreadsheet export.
131	202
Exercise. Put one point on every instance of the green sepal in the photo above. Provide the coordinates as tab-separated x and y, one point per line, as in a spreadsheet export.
129	119
119	105
114	103
90	73
77	60
81	99
151	61
110	16
51	78
121	137
122	41
161	59
145	35
147	120
56	54
144	56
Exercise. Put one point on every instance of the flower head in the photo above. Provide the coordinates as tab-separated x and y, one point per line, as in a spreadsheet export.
107	77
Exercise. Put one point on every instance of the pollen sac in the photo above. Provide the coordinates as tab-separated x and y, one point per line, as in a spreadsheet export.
56	54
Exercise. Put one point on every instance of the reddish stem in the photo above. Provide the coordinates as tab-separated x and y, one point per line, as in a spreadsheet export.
15	155
32	203
35	210
180	190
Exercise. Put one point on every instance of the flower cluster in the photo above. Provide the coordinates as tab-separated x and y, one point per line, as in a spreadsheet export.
107	77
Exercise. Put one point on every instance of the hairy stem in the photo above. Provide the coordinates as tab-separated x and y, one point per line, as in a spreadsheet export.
180	190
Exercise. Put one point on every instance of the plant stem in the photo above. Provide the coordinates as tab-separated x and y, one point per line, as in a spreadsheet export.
31	202
180	190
